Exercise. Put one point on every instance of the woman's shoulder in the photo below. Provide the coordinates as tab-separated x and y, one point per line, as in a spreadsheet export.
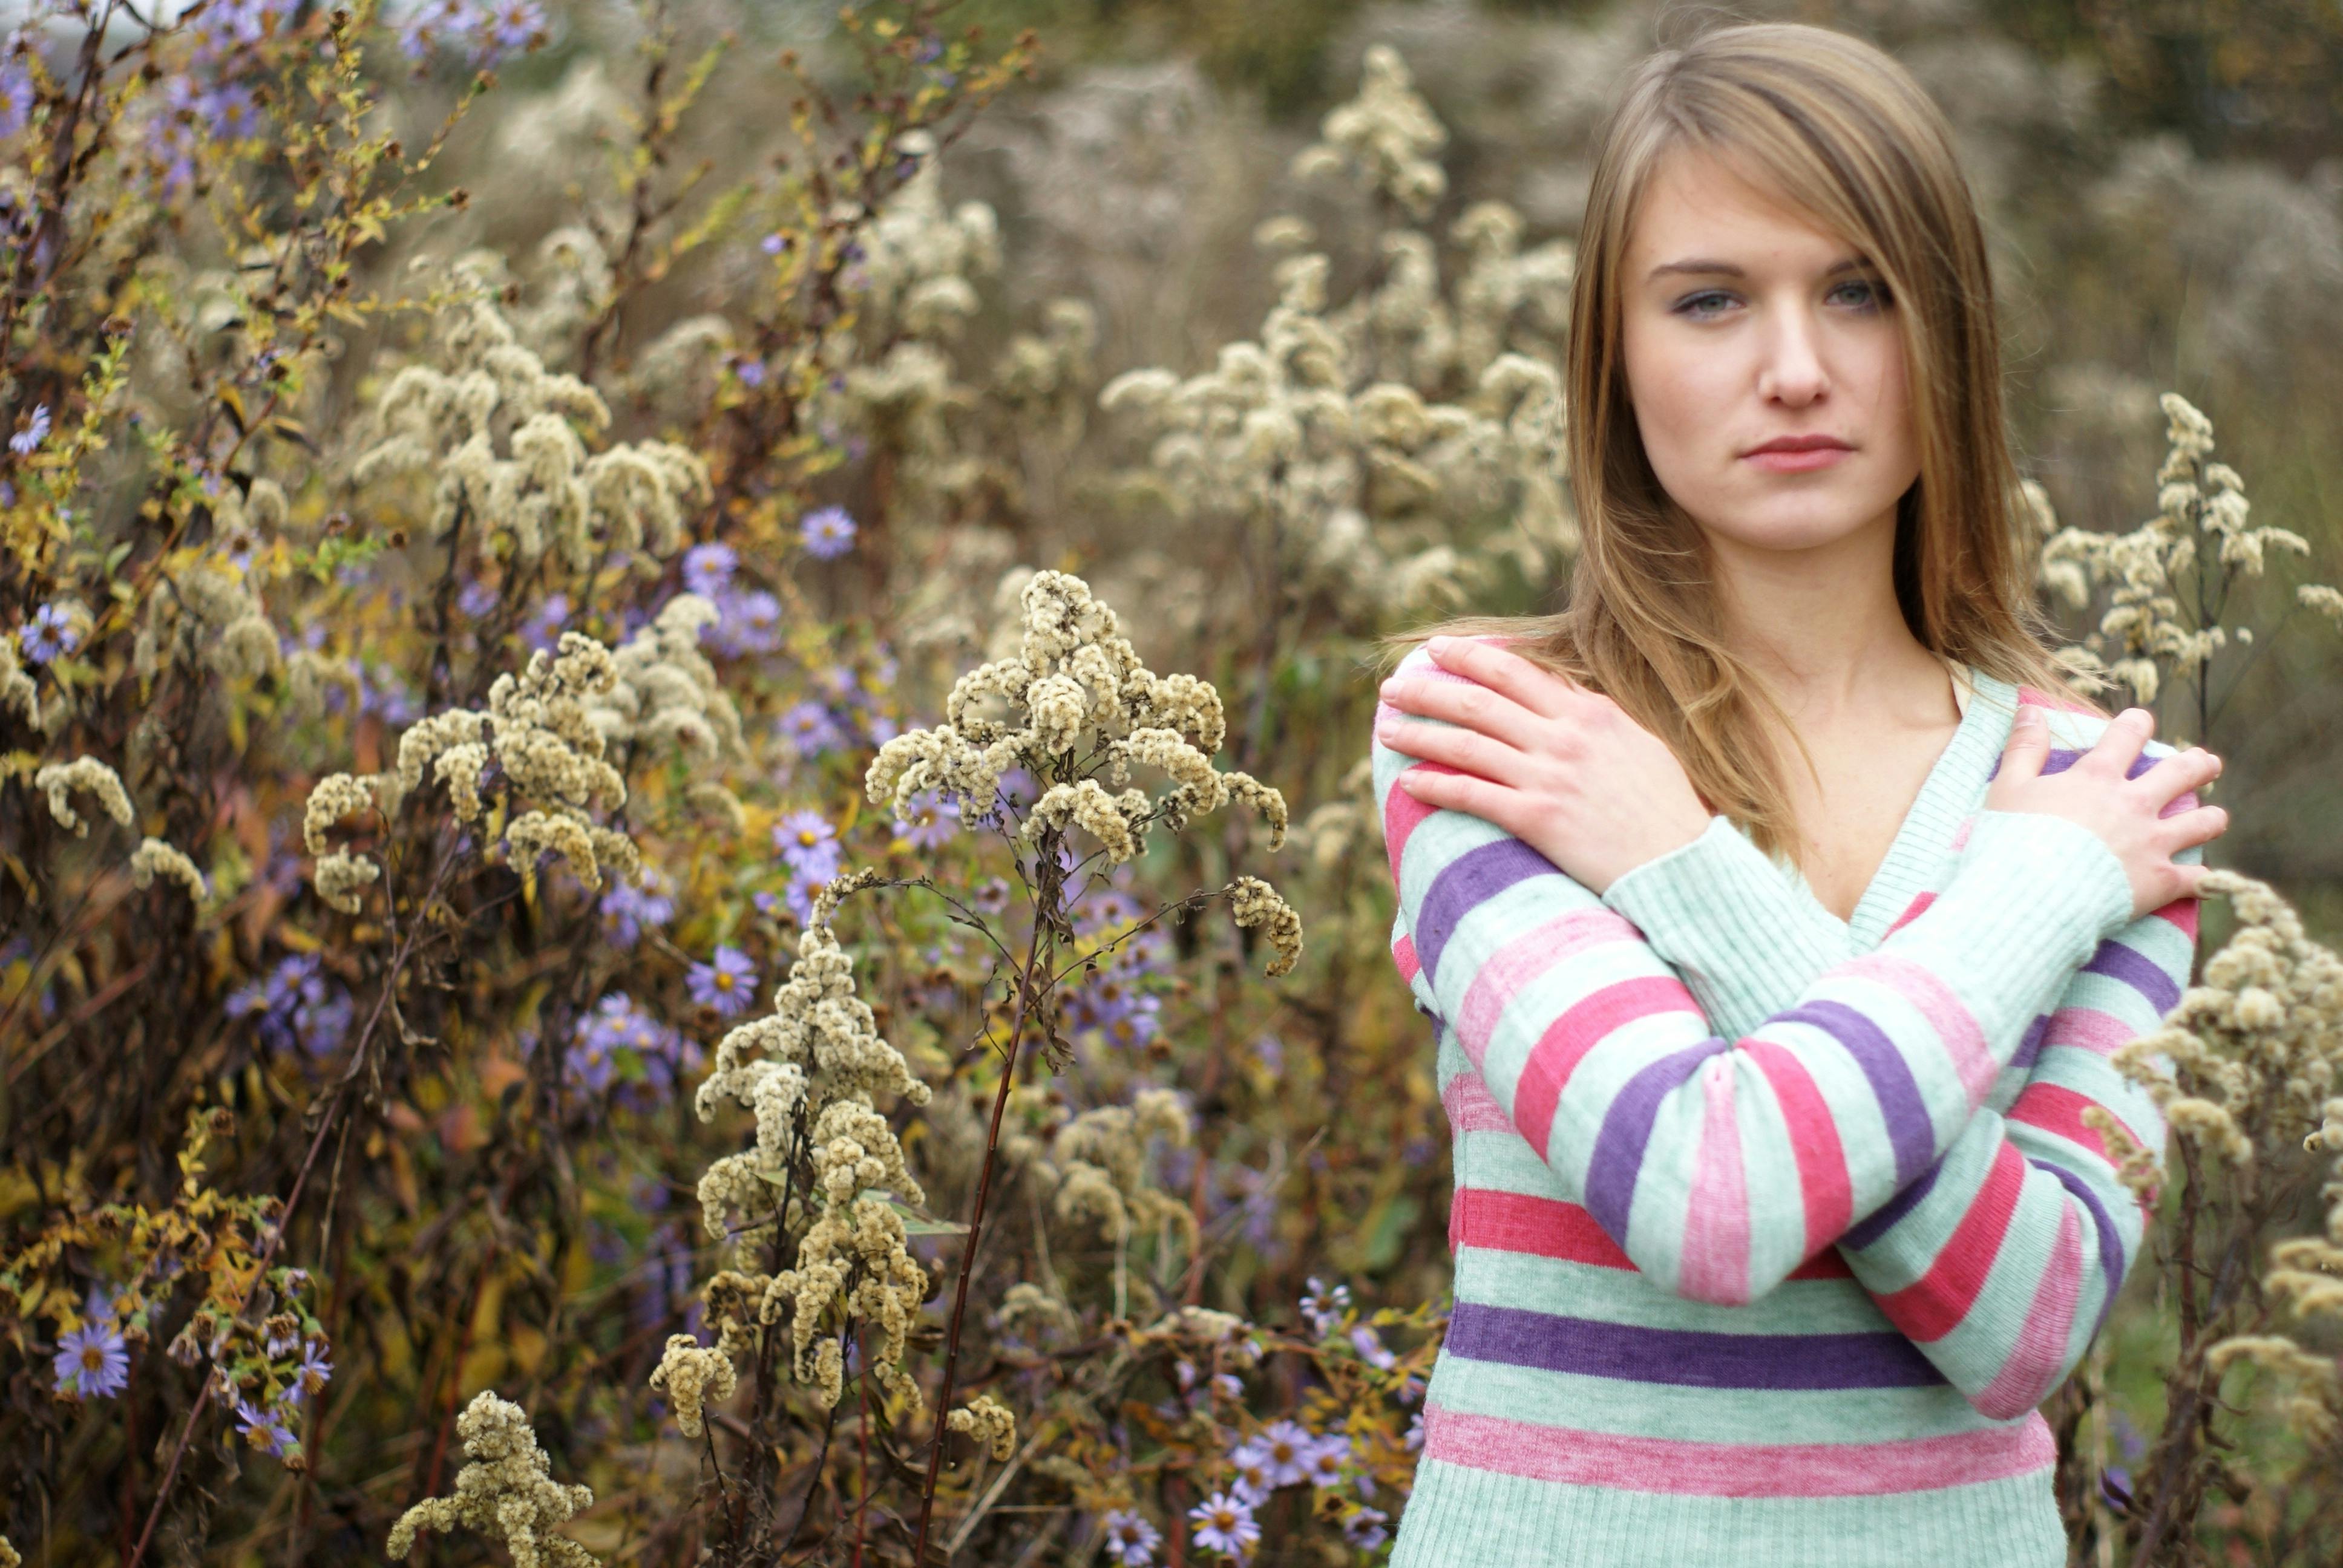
2076	726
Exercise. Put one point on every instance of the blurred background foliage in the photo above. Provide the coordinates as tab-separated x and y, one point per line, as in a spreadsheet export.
875	268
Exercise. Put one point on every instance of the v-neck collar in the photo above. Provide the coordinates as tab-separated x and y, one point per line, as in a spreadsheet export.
1947	796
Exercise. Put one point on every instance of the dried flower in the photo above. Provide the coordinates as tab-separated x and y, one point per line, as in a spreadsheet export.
989	1421
57	779
506	1492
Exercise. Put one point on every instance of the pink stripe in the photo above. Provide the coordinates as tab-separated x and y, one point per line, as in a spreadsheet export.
1961	834
2039	1358
1521	961
1948	1020
1716	1223
1688	1468
1569	1038
1912	911
2055	1107
1824	1186
1404	955
1470	1107
2088	1029
2181	912
1402	812
2035	697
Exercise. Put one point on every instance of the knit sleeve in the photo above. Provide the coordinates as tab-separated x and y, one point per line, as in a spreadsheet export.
1719	1165
2001	1261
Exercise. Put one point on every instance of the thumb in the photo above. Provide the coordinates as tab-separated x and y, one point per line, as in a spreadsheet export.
2029	745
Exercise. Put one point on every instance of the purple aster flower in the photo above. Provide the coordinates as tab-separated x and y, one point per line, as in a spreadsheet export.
993	896
628	909
16	95
725	987
515	25
1365	1529
1224	1523
809	729
1414	1438
295	1007
798	895
37	430
474	600
1130	1541
317	1368
1254	1479
810	844
934	819
828	534
748	621
1371	1349
543	628
1326	1458
263	1429
774	243
1323	1308
707	568
92	1363
1286	1445
751	371
49	633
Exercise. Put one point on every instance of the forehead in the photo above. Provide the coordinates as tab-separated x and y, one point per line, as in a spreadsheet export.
1697	203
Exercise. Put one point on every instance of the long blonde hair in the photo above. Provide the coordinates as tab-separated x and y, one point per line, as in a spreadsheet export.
1847	136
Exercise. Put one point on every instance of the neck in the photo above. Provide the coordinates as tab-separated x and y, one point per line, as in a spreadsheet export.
1822	628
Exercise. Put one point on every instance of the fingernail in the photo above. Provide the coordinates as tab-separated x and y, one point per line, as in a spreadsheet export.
1436	646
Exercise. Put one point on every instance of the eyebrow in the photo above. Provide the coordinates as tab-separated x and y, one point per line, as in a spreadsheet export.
1727	269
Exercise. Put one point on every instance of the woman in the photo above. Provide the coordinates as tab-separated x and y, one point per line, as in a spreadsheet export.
1777	902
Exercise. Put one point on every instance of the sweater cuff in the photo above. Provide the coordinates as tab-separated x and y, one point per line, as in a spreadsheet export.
2059	865
1728	921
2029	901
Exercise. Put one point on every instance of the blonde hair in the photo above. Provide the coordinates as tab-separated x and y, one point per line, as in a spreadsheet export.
1843	133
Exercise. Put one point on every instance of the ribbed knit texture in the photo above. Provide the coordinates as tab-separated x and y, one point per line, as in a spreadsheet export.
1772	1228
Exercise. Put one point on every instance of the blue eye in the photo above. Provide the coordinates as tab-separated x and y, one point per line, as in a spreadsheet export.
1870	295
1688	305
1875	294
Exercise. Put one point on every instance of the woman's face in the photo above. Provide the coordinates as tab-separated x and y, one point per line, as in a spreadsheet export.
1743	324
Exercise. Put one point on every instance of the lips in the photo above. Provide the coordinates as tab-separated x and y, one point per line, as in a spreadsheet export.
1800	444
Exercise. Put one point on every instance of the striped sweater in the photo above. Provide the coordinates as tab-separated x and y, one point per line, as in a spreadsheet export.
1771	1228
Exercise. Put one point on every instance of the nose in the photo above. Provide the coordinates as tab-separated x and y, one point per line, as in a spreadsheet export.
1792	370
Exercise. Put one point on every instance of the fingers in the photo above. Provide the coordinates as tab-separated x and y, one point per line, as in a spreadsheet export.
2120	743
1460	701
2199	825
2029	745
1502	670
1461	792
2171	783
1468	751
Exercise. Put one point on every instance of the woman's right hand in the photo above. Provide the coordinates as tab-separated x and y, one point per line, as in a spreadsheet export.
2145	821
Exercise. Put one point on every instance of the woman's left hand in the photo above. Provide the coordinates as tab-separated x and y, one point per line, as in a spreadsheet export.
1560	767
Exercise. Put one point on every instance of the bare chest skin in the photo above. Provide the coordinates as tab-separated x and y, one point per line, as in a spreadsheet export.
1849	822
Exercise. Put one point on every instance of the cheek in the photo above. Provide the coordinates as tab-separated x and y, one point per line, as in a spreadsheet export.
1890	395
1679	397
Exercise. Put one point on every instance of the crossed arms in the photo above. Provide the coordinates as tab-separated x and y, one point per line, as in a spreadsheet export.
1727	1097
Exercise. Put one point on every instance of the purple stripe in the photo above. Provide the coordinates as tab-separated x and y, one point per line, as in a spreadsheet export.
2060	759
1880	1221
1909	1130
1618	1157
1465	882
2142	973
2111	1254
1514	1336
2030	1047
